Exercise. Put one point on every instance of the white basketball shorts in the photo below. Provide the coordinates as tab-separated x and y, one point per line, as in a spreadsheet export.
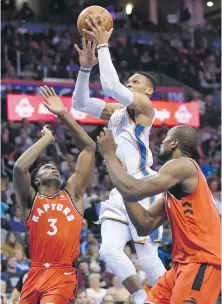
114	209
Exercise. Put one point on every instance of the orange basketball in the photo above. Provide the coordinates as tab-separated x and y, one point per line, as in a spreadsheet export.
96	11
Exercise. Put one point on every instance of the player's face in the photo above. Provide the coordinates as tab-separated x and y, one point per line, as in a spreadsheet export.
167	147
139	84
48	172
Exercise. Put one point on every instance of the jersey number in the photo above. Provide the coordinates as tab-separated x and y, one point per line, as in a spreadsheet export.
54	228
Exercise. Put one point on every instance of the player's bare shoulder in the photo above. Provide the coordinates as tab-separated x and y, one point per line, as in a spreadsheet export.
185	170
143	108
182	166
141	103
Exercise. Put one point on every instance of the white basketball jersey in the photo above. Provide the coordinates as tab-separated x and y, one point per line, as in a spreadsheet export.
132	142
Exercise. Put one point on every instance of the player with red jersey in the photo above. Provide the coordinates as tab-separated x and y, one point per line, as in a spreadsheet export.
53	216
188	204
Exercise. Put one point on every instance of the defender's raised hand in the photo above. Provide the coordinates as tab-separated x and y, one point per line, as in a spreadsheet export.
97	31
107	145
52	102
87	57
48	133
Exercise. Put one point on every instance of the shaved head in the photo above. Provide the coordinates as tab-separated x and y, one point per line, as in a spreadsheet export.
181	139
187	138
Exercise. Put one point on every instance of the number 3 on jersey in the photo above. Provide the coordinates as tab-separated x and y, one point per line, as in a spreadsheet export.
53	226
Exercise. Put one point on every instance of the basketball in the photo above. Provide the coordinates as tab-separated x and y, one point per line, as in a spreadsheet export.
96	11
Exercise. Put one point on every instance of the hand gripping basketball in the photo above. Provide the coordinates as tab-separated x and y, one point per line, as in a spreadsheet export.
97	32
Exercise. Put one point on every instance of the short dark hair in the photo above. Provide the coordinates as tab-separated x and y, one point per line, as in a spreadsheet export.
33	175
187	137
149	77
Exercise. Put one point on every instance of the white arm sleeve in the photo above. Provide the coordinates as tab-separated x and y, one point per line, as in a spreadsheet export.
110	80
81	100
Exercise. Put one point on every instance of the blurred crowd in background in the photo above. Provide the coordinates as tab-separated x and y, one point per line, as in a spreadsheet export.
171	47
50	53
167	48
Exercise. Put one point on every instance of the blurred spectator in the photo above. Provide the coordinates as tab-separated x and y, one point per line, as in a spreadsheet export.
92	214
109	298
16	222
216	192
90	240
26	13
10	71
69	166
4	208
56	7
7	191
18	288
23	264
106	184
84	274
81	297
94	291
118	291
11	245
12	274
23	139
210	118
93	259
3	292
202	106
85	230
7	145
207	169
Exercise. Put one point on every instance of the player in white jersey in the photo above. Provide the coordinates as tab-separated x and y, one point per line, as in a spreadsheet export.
130	121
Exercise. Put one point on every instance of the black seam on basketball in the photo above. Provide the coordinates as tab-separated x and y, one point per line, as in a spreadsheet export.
108	21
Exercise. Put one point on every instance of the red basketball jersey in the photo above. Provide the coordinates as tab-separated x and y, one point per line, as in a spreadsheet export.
195	224
54	228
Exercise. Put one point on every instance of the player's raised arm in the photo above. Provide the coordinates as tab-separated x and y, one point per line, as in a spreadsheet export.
108	75
77	183
21	177
81	99
132	189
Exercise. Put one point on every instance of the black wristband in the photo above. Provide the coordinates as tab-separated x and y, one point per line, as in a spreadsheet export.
102	47
85	70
